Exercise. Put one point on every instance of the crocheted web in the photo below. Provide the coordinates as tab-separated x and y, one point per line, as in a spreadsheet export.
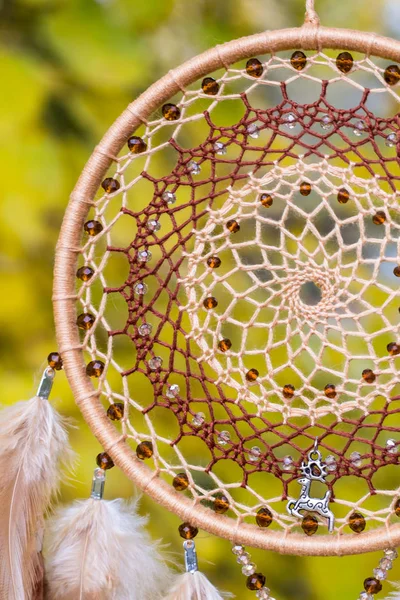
288	183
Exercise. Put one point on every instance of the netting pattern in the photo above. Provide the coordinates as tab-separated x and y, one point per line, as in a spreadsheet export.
244	282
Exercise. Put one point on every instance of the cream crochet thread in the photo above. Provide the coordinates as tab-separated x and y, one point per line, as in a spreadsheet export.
312	254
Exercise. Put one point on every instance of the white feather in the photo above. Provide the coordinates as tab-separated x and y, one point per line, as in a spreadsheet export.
33	438
97	549
396	594
194	586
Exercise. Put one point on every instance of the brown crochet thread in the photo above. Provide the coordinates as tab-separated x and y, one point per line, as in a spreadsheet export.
67	335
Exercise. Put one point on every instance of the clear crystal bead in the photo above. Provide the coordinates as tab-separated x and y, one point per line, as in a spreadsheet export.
287	463
290	121
326	122
194	167
391	446
153	225
98	482
224	438
169	197
244	558
155	363
391	140
365	596
145	329
172	391
253	131
198	419
237	549
220	148
359	128
355	458
144	255
380	574
141	288
264	594
391	553
385	564
249	569
254	454
331	463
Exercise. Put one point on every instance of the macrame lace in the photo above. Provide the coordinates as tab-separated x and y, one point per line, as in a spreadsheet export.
305	290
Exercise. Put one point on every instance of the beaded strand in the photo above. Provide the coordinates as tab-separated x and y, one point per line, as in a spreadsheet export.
256	581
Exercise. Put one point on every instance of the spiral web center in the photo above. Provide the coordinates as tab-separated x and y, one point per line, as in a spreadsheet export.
287	245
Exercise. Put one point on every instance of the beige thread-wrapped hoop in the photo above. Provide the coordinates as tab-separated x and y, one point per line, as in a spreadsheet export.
65	281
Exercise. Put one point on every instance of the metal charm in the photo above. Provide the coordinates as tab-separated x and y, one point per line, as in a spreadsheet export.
190	556
313	470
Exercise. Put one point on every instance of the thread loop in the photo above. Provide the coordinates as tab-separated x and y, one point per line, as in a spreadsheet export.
312	17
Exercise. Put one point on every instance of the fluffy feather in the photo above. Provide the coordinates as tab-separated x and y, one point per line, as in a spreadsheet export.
98	550
396	594
32	439
194	586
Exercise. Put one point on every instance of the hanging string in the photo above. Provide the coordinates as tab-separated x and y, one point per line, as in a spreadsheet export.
311	14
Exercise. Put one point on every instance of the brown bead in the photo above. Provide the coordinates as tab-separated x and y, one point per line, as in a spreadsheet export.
330	390
305	188
85	273
298	60
137	145
309	525
397	508
266	200
344	62
115	412
210	302
221	504
252	375
264	517
95	368
343	196
396	271
104	461
357	522
372	585
255	581
54	361
254	67
93	227
225	345
214	262
210	86
379	218
110	185
392	75
180	482
368	375
144	450
233	226
288	390
85	321
171	112
393	349
187	531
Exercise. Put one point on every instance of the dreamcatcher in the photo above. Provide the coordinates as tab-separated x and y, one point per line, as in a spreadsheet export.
227	312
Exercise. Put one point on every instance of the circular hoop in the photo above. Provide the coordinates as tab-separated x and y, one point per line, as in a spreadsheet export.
308	37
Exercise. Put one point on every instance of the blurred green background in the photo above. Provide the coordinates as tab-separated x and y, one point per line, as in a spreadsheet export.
68	69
